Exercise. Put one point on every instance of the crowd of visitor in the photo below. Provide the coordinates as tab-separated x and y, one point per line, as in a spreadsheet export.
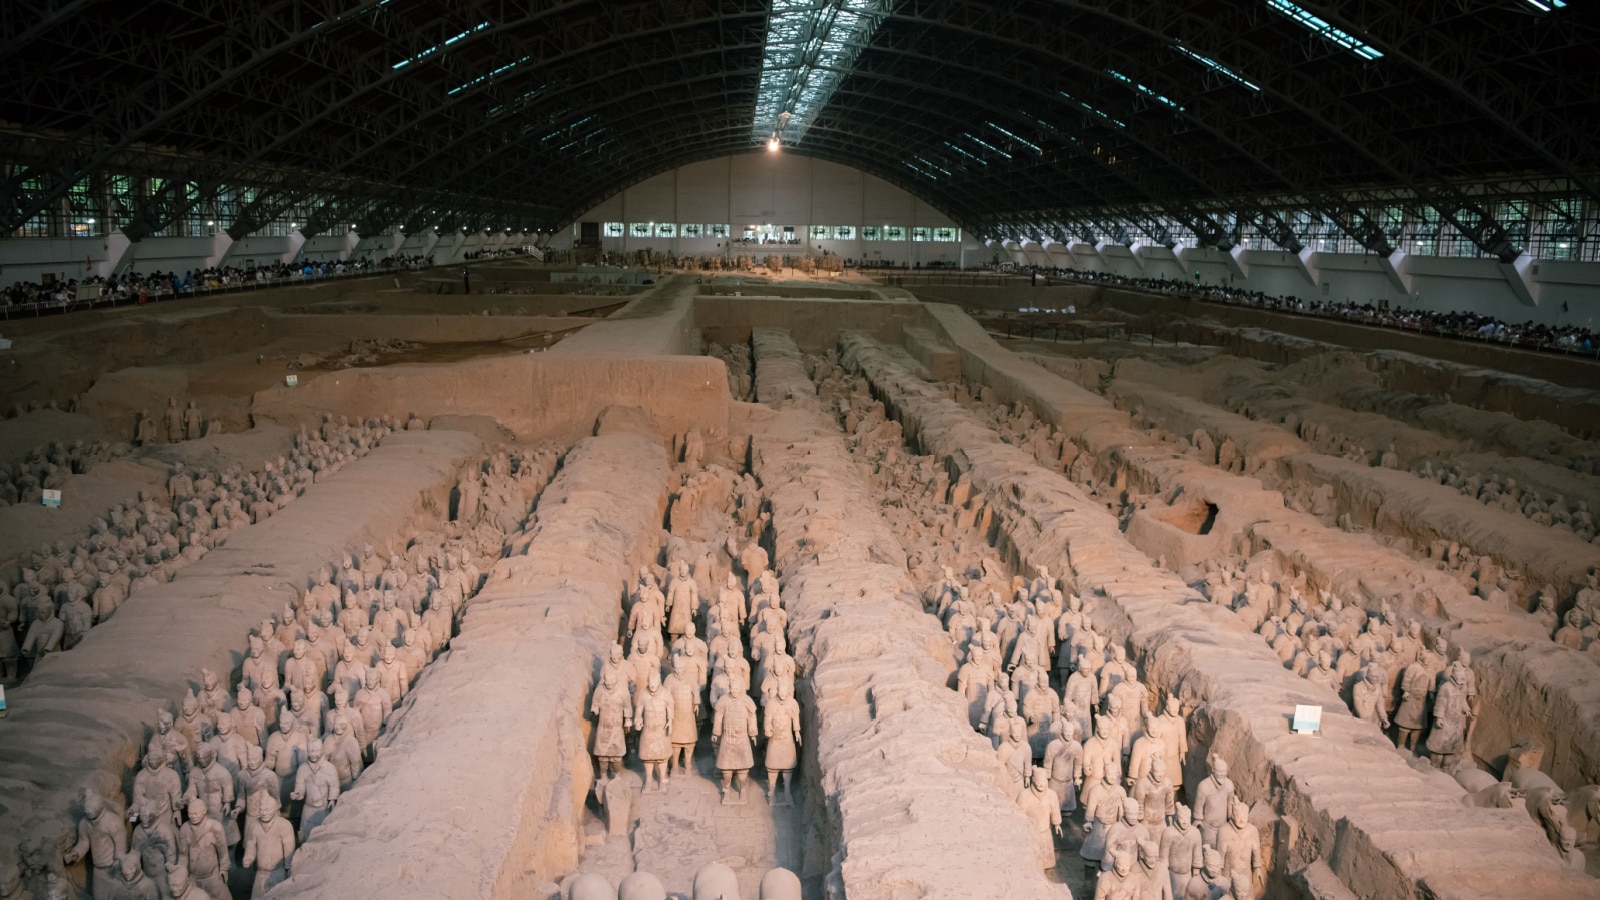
1468	325
63	292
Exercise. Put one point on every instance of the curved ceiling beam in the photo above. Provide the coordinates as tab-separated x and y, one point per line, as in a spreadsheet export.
1315	99
1201	165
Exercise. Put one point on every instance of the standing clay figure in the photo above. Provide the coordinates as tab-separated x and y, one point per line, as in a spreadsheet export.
155	842
652	718
1448	738
344	751
256	777
1154	879
682	598
1042	808
103	839
205	847
1102	759
733	730
1416	683
1102	807
317	783
144	432
1367	694
695	654
1146	749
10	650
1174	733
1181	847
1240	845
131	881
1120	881
613	715
174	421
268	845
1063	763
157	782
192	421
783	743
286	749
469	491
684	692
1155	795
1469	686
212	784
44	635
1211	883
77	617
616	801
249	719
1211	800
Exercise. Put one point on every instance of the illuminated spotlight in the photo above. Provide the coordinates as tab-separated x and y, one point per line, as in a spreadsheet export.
772	145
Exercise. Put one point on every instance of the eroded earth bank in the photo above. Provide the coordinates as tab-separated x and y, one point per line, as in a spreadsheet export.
766	590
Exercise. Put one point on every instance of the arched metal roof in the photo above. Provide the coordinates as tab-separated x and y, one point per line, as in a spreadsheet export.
1048	117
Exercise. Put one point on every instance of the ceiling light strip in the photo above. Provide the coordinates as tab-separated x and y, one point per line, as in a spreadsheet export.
811	46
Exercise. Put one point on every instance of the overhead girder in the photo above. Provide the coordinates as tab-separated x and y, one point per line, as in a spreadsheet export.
686	99
624	60
1201	174
251	90
1276	74
1230	112
1447	57
352	74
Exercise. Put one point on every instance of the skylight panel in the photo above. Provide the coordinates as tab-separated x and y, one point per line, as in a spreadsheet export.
985	144
485	77
1326	30
976	159
1143	90
1546	5
440	46
1090	109
811	45
1214	66
1029	144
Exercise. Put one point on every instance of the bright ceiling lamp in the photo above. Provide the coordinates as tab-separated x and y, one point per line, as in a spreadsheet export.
811	45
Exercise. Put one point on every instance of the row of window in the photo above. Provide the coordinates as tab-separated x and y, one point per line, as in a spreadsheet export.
769	233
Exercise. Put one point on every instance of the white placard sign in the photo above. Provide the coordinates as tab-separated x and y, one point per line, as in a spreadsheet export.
291	380
51	498
1307	719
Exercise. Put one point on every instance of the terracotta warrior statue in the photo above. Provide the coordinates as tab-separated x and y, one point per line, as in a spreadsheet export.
612	710
1211	799
652	718
1240	845
268	845
783	742
684	691
733	729
102	839
1448	739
